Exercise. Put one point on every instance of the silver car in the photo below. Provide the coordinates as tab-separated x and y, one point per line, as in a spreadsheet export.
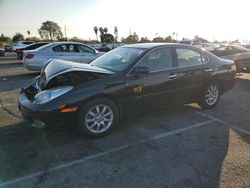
71	51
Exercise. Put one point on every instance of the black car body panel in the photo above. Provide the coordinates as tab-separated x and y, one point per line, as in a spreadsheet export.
131	92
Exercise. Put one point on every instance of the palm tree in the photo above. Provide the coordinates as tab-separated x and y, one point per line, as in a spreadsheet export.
105	30
96	31
101	33
28	32
116	33
101	30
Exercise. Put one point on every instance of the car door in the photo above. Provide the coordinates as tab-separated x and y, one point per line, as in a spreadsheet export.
158	87
86	54
194	71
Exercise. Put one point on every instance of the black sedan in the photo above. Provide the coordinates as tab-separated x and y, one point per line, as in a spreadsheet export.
239	54
123	82
19	51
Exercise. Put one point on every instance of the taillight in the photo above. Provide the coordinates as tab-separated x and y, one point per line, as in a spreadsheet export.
18	50
29	56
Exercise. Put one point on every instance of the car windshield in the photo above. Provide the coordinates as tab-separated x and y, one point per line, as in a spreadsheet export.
118	59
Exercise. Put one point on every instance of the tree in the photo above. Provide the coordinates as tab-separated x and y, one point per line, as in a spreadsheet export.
28	32
144	40
158	39
5	39
101	31
197	38
50	30
131	39
107	38
168	39
96	32
105	30
35	39
17	37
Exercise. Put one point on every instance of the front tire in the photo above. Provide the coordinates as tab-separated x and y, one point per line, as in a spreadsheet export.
97	117
211	96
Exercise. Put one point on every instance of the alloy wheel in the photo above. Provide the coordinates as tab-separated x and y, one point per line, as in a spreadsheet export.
212	95
99	118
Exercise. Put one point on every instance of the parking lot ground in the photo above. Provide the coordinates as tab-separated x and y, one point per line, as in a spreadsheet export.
182	146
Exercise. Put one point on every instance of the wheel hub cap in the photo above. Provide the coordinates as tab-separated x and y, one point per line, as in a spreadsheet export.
99	118
212	95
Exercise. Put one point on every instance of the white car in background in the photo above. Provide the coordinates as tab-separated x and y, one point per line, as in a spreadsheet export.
69	51
21	44
210	46
195	43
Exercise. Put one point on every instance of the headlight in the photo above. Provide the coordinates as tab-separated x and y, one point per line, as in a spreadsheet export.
48	95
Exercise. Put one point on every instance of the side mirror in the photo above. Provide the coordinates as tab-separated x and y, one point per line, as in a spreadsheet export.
141	70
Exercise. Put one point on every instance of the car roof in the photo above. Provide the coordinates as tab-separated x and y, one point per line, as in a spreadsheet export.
67	42
154	45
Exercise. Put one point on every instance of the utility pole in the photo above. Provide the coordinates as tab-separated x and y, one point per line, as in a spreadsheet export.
65	34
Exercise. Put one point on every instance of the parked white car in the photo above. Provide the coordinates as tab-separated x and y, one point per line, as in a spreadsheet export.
195	43
21	44
210	46
70	51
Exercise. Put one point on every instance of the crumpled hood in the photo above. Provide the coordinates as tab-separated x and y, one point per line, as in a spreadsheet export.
56	67
59	72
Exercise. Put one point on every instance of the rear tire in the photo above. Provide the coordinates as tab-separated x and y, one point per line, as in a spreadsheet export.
97	117
211	96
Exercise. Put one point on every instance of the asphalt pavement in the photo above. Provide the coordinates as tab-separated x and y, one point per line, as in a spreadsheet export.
182	146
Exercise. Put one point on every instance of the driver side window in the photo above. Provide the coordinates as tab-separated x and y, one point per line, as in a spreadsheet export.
158	60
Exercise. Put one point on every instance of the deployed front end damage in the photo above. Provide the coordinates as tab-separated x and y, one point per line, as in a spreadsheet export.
42	103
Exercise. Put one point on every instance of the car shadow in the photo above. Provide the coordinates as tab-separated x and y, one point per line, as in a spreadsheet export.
25	150
189	159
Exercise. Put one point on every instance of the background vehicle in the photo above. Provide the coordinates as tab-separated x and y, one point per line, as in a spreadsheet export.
2	52
71	51
21	44
195	43
239	54
210	46
8	48
105	48
32	46
125	81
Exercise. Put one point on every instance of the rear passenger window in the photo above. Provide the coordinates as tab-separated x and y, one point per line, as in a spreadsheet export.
157	60
60	48
66	48
188	57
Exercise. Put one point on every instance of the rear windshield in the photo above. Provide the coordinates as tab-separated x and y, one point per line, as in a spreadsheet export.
34	46
27	42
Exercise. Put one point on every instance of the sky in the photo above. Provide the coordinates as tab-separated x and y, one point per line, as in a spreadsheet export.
210	19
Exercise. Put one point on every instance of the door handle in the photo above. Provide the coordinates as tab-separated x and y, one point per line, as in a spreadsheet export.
173	76
209	70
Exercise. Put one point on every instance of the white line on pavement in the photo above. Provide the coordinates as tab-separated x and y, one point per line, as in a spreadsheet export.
223	122
160	136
